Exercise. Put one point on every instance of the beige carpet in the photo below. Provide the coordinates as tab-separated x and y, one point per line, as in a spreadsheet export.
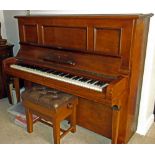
10	133
148	139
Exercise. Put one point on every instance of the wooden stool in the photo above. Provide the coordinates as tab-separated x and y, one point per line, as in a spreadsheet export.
50	105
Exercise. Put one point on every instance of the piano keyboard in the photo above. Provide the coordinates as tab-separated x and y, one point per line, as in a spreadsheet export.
60	76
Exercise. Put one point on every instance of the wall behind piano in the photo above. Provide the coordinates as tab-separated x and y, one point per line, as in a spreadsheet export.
145	119
11	26
3	30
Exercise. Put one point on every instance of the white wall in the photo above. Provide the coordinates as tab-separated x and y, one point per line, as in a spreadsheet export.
12	27
3	30
106	7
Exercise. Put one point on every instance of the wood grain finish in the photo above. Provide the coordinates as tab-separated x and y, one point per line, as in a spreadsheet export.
5	52
107	41
94	116
30	33
88	35
64	37
53	116
110	48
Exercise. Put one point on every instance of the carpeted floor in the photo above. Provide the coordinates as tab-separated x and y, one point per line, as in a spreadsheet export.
148	139
10	133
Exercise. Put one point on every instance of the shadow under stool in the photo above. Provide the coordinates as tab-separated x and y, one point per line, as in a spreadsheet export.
50	105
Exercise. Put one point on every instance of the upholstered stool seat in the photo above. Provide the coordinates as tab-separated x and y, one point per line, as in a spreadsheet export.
50	105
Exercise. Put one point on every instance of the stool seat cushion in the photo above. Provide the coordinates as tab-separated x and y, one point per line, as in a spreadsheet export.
46	97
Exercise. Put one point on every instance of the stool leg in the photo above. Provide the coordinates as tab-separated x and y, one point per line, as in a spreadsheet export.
29	120
73	119
17	88
56	131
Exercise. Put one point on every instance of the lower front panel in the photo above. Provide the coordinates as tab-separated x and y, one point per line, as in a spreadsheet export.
94	116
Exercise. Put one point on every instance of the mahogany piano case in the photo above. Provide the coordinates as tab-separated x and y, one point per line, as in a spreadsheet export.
109	49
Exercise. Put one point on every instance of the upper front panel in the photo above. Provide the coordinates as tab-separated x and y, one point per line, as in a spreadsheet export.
64	36
30	33
107	40
105	37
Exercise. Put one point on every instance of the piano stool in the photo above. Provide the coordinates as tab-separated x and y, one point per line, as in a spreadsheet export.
50	105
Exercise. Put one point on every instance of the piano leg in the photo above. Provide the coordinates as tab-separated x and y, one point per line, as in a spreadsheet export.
115	123
17	88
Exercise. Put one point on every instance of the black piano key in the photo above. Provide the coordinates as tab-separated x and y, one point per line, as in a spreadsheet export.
66	74
83	79
56	73
69	76
41	69
102	84
99	83
21	64
34	66
79	78
50	71
92	81
45	69
25	65
63	74
76	78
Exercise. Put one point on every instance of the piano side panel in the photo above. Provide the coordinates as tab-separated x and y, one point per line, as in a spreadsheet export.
95	117
136	78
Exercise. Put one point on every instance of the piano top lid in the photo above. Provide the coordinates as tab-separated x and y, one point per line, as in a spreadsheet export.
97	16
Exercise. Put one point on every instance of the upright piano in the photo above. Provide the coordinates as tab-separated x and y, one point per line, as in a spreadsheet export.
99	58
